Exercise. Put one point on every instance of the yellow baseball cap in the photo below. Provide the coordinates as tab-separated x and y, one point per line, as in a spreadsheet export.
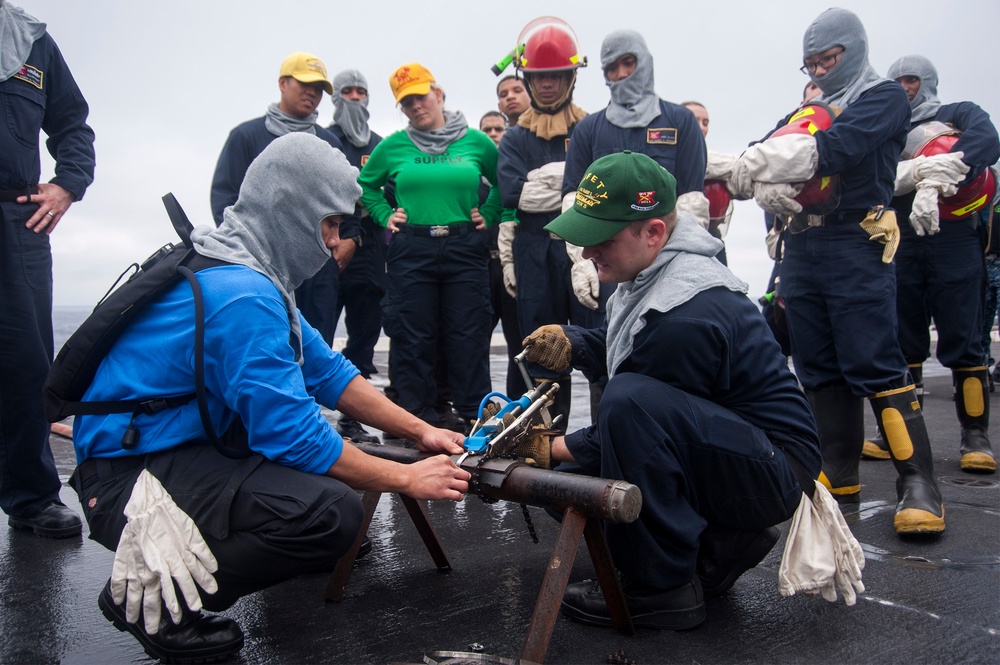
307	68
410	79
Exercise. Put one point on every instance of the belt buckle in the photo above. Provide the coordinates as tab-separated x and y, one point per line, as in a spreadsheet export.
553	236
440	231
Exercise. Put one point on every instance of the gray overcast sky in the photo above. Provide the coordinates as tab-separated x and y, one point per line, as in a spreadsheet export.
167	81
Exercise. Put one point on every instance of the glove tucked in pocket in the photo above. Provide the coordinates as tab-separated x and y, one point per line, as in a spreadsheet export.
880	225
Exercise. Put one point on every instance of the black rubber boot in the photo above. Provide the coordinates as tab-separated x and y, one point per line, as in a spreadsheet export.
840	419
901	421
349	428
972	402
876	448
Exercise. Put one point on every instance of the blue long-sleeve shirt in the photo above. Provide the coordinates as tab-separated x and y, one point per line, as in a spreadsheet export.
44	96
673	140
250	371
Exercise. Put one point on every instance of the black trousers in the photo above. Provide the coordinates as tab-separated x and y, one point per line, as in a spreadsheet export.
264	522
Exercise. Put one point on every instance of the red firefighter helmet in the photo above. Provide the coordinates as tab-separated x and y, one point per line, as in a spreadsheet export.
937	138
821	194
719	200
548	44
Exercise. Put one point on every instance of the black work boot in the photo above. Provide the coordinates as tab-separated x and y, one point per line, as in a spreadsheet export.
972	401
840	420
349	428
53	520
681	608
198	638
876	448
920	509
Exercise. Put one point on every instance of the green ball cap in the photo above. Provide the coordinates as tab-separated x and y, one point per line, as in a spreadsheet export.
618	189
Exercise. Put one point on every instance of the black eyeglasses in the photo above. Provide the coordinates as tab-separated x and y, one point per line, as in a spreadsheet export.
826	62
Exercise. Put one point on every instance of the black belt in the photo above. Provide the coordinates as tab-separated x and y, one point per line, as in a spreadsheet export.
442	231
11	195
93	467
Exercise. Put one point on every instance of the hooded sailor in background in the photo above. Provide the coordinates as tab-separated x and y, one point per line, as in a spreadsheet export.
837	275
637	119
942	181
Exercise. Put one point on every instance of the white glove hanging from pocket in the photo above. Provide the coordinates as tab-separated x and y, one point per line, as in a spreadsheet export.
158	545
821	555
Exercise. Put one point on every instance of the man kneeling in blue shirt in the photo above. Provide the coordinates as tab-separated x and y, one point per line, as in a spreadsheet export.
175	509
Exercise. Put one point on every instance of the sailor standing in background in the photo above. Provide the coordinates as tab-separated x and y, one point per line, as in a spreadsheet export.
37	92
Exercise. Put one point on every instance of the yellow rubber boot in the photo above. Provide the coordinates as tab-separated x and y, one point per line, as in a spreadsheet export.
920	509
972	401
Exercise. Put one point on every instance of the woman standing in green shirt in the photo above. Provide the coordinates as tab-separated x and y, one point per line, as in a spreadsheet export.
437	264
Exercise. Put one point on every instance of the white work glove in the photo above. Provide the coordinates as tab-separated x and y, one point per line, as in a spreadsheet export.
790	158
821	555
568	201
947	168
778	198
583	275
907	176
542	191
696	204
505	245
924	216
159	544
772	239
719	166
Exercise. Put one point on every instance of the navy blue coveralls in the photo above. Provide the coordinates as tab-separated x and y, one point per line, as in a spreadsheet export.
42	96
839	296
316	298
706	419
944	275
362	283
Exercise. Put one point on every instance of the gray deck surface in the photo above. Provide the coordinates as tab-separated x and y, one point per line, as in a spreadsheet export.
926	601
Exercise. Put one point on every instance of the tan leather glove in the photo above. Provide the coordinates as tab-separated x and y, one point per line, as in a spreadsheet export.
880	224
535	447
549	347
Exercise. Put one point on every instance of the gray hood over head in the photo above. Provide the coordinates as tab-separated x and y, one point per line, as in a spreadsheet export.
349	114
852	74
684	267
925	103
634	102
275	225
18	33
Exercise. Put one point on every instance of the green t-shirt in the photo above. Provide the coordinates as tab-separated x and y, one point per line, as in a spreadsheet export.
432	189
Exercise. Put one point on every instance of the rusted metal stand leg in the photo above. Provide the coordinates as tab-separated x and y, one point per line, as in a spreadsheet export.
369	501
597	543
342	572
420	520
543	619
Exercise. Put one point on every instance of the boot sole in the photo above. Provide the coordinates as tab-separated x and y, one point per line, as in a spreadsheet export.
111	612
26	525
915	521
687	619
978	463
873	452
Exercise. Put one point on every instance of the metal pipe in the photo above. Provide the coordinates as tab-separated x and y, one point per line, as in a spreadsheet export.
510	480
